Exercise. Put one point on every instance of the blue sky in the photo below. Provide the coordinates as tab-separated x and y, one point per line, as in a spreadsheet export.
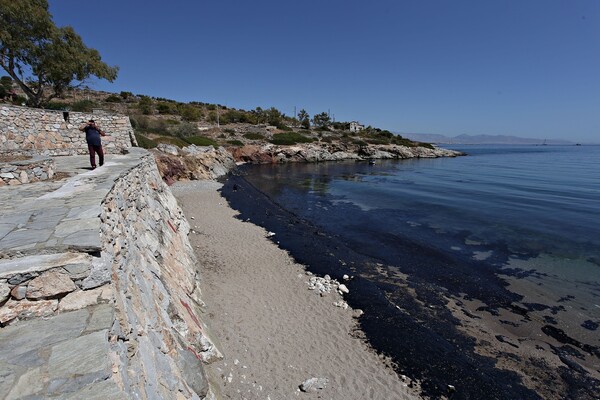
517	67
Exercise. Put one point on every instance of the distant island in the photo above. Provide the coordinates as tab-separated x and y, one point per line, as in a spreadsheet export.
482	139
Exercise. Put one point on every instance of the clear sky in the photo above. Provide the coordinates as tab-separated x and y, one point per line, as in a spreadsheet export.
528	68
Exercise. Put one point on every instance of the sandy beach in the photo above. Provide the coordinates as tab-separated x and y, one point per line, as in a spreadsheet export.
274	332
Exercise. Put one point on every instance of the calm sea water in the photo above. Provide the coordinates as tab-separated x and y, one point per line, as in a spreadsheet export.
503	225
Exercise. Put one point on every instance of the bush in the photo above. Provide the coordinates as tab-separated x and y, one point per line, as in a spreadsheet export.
164	108
126	95
186	129
113	99
235	143
83	106
377	140
145	142
290	138
55	105
231	132
201	141
171	140
254	136
190	113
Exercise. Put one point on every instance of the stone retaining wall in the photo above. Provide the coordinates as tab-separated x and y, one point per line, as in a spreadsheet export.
27	171
33	131
160	340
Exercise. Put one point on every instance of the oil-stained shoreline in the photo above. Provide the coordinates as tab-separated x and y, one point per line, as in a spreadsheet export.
406	315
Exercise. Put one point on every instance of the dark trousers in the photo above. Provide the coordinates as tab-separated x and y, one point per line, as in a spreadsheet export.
93	150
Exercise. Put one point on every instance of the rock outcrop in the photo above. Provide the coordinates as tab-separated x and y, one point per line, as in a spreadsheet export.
315	152
192	162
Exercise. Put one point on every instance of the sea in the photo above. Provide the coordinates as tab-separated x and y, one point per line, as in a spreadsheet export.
478	276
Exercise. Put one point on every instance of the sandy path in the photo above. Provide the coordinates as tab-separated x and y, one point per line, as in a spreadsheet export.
273	331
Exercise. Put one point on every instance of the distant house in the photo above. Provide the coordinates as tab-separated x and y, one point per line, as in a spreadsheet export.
355	126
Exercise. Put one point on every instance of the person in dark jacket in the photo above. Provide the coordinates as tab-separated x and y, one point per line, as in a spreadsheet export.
92	137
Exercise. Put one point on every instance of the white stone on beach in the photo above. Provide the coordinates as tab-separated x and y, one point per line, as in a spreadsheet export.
314	384
270	234
345	277
342	288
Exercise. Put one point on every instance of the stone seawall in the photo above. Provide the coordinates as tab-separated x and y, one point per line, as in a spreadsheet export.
31	131
99	287
160	340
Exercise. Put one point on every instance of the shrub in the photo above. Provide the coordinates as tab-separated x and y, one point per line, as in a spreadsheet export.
126	95
189	112
290	138
83	106
235	143
377	140
231	132
113	99
201	141
164	108
55	105
145	142
186	129
171	140
254	136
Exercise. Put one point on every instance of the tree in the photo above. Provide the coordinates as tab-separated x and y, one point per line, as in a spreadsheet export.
321	120
274	116
43	59
304	119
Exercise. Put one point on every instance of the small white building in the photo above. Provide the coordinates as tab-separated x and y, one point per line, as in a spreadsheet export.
355	126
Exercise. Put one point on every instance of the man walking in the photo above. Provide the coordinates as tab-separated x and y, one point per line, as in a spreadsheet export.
92	137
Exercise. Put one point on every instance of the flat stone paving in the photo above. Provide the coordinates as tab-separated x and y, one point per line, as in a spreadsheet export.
44	225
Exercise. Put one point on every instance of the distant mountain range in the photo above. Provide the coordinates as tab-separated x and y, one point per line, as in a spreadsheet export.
479	139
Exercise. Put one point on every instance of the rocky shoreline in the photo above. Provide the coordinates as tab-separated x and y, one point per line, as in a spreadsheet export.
206	162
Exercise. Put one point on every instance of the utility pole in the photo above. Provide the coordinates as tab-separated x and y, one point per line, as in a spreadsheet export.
218	126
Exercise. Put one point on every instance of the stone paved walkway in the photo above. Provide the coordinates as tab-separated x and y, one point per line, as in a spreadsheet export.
56	300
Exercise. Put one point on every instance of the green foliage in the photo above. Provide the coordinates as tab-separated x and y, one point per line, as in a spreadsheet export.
165	108
145	142
19	100
39	55
274	117
126	95
5	86
254	136
290	138
304	119
341	126
148	125
201	141
211	107
146	105
212	117
231	132
189	112
83	106
235	143
171	140
359	142
55	105
321	120
185	129
113	99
